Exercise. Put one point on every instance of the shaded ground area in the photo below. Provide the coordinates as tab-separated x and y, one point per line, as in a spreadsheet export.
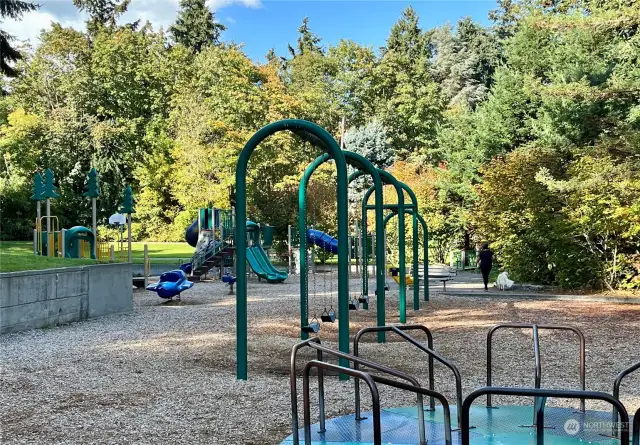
166	372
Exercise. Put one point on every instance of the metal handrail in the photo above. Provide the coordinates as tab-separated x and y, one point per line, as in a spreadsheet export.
536	346
446	410
314	343
404	327
616	393
371	382
375	397
447	363
541	394
636	428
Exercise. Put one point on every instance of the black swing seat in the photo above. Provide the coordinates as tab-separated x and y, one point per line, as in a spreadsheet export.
328	317
311	328
364	299
354	304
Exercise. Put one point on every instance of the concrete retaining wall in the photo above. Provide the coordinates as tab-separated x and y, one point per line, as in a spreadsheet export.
44	298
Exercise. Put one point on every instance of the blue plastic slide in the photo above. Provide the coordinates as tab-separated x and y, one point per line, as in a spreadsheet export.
322	240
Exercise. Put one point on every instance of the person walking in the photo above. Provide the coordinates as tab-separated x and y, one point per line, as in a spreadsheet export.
485	261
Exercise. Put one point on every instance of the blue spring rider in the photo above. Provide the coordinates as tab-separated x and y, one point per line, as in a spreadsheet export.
230	280
171	284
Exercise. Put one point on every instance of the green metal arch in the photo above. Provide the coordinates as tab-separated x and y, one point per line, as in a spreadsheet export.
365	167
388	178
326	143
425	230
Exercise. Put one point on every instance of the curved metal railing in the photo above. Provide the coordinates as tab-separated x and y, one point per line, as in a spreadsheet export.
314	343
404	327
636	428
541	395
616	393
371	381
536	350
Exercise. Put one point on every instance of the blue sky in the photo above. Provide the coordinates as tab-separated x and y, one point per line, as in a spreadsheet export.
263	24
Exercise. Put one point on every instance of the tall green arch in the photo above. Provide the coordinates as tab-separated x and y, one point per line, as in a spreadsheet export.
414	205
363	165
425	231
388	178
313	132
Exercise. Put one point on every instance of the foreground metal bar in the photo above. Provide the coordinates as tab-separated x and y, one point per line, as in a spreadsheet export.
442	360
616	394
405	327
314	343
539	393
636	428
375	397
538	369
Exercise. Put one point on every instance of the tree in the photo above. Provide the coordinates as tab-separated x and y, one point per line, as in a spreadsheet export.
307	40
13	9
195	26
464	62
102	13
370	141
407	99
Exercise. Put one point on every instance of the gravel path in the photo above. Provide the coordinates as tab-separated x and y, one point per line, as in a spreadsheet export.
165	373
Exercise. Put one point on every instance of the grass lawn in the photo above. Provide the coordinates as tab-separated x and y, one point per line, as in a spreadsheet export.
15	256
18	255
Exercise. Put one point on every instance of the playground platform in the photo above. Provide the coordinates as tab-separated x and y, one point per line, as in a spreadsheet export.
503	425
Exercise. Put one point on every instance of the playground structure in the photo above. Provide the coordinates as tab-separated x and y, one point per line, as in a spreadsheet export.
213	236
322	140
436	425
49	239
461	421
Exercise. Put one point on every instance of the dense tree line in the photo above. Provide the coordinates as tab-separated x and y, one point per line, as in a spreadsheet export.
525	134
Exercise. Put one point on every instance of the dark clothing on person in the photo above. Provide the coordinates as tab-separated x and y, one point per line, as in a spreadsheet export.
485	277
485	258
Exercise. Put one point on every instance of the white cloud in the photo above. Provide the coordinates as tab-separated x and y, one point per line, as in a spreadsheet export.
34	22
161	13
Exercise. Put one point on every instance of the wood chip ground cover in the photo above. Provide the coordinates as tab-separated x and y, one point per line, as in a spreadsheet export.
166	373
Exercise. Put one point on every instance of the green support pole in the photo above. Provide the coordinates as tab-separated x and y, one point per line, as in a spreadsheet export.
414	220
425	267
329	145
302	230
388	178
365	167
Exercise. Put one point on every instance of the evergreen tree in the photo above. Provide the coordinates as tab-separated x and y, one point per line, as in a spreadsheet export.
195	26
13	9
307	41
406	37
102	13
370	141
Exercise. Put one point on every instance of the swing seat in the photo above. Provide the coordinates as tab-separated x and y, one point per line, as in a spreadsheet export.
354	304
312	328
328	317
364	299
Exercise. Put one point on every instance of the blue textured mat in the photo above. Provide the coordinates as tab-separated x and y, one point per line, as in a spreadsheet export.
506	425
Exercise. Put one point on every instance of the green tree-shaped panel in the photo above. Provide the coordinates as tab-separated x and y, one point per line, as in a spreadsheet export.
49	190
92	188
127	205
38	187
